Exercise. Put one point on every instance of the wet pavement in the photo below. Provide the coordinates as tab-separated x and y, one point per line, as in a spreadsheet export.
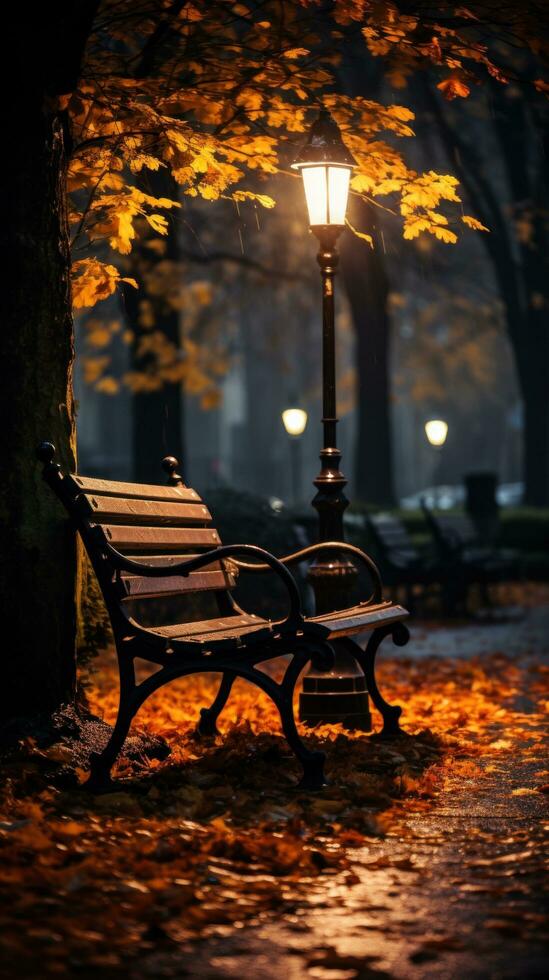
451	904
514	631
455	890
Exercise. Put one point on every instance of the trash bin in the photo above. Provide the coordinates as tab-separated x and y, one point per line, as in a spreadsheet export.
481	504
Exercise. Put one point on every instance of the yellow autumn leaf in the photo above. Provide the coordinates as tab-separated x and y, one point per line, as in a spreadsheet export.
158	223
473	223
453	88
413	228
208	192
443	234
263	199
94	281
200	163
122	240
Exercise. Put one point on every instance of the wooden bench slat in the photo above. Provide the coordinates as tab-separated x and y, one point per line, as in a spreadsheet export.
142	587
360	619
214	566
228	626
146	491
140	511
156	538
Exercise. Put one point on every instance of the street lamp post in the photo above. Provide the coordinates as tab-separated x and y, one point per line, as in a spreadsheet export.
325	165
436	431
295	421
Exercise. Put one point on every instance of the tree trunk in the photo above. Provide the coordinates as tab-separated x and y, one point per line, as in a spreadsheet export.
524	144
365	279
157	428
532	354
38	568
157	416
520	266
38	571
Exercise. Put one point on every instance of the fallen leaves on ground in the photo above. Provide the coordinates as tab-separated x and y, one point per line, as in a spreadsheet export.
218	834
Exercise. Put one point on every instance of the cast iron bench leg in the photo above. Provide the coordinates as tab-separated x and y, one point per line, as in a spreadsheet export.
102	763
367	661
312	762
132	696
208	716
282	696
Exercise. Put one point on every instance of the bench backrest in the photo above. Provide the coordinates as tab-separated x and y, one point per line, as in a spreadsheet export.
157	525
391	537
451	531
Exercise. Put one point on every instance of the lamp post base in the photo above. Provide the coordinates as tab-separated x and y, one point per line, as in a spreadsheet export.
336	699
338	696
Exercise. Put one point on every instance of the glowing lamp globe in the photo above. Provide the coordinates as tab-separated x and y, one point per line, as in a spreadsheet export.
436	431
295	421
325	165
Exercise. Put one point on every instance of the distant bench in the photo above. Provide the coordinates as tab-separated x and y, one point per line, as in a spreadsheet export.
150	543
457	545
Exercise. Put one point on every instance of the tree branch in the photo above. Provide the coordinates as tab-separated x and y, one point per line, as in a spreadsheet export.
243	260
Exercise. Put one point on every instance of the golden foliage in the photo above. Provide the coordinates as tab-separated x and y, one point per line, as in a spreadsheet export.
94	280
218	102
456	348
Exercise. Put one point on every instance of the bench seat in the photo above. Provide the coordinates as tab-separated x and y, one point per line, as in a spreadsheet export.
345	622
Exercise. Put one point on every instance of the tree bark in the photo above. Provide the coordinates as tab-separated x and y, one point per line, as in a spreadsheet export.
367	286
532	353
39	557
37	573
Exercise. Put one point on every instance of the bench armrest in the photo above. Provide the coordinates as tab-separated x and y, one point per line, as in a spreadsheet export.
312	549
124	564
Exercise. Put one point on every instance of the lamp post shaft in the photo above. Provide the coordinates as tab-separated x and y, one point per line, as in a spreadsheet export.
341	695
332	579
328	259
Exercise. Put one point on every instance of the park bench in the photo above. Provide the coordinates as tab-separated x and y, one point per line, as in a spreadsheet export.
147	543
402	564
456	540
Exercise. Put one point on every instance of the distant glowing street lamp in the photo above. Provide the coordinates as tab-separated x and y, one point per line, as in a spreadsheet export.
326	165
295	421
436	431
